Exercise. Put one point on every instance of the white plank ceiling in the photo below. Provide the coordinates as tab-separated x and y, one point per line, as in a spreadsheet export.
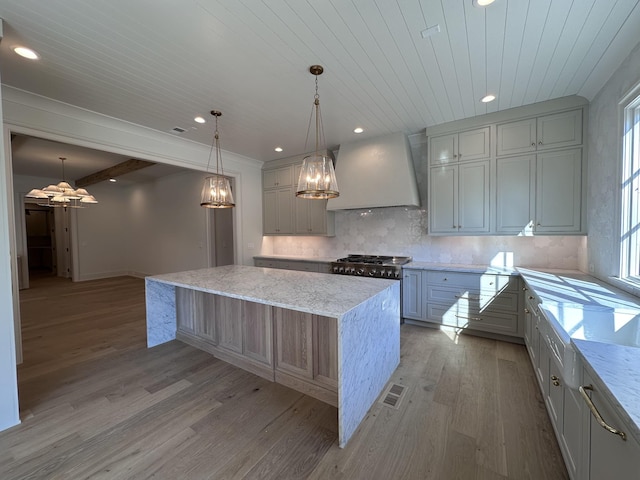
160	63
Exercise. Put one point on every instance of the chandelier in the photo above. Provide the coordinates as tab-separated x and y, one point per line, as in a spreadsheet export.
216	191
62	194
317	177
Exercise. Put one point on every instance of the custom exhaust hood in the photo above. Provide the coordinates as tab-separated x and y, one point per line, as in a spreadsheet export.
376	172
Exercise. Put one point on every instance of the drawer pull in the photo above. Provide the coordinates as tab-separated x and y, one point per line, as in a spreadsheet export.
555	380
477	319
594	411
526	310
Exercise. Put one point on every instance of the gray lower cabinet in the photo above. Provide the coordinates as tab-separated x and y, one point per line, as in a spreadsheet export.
470	301
607	455
590	452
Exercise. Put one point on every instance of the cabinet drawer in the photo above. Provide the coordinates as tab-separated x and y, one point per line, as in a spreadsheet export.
456	316
474	281
473	299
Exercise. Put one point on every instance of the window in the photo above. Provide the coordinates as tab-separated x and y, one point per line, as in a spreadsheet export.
630	240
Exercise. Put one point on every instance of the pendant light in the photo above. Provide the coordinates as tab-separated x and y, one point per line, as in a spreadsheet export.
216	191
62	194
317	177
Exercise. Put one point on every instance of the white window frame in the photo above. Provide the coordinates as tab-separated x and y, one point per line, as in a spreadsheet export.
630	189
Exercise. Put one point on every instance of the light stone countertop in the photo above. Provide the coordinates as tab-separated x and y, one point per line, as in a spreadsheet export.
295	258
319	293
462	268
603	325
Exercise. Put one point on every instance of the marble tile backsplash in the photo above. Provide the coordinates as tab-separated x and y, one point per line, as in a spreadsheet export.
402	231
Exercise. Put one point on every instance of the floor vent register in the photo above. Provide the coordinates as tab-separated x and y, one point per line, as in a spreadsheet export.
392	397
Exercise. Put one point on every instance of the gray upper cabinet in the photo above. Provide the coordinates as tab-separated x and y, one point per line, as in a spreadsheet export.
285	214
460	147
542	133
531	183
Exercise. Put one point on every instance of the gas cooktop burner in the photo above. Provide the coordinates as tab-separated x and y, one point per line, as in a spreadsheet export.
382	266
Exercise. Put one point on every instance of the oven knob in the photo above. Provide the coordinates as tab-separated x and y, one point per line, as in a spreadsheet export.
397	274
372	272
360	271
341	270
352	270
335	269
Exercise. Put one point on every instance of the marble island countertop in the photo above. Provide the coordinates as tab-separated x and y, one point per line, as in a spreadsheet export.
322	294
602	323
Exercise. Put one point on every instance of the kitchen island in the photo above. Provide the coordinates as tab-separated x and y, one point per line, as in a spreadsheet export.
333	337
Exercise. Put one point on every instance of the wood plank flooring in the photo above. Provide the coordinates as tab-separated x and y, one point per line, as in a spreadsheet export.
96	403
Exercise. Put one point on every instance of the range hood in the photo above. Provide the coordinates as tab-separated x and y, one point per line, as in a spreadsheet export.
375	173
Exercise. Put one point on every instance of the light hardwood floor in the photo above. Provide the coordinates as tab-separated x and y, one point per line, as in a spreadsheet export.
96	403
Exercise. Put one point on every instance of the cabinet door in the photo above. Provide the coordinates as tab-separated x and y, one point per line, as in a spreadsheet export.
443	188
412	299
560	130
473	197
310	216
278	177
294	342
325	351
555	394
205	324
443	149
572	431
515	194
229	323
609	455
559	191
277	211
517	137
257	332
474	144
185	310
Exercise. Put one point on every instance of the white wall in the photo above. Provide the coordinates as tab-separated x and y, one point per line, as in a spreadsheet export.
605	153
167	226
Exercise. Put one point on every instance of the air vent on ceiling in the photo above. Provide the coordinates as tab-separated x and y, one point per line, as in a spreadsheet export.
178	130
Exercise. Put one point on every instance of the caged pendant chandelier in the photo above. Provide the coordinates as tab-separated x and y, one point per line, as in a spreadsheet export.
317	177
216	191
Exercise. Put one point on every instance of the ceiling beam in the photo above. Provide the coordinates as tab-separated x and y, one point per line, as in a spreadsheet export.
127	166
112	172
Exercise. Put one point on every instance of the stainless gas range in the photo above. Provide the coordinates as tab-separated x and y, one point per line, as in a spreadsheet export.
378	266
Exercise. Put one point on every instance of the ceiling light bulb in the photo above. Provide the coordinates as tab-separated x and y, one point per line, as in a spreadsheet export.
199	120
488	98
482	3
278	149
112	180
26	53
358	130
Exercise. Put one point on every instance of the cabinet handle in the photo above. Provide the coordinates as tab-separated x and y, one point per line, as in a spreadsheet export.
524	289
540	142
459	226
455	156
533	144
530	297
526	310
556	380
594	411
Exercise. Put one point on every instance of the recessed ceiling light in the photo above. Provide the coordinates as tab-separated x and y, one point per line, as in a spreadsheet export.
199	120
358	130
278	149
488	98
112	180
26	53
482	3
